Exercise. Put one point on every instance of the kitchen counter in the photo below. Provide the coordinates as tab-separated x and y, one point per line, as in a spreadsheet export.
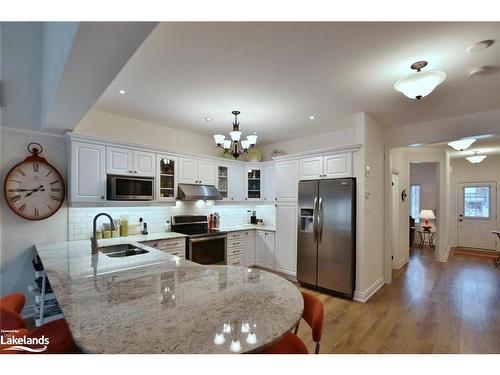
159	303
237	228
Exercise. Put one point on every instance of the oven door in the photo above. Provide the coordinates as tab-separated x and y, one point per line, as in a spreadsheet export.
208	250
130	188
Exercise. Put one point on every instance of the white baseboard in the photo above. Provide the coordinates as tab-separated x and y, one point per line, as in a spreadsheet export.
28	311
446	255
370	291
401	263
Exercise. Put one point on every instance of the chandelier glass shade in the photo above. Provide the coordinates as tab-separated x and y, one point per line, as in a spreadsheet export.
235	145
419	84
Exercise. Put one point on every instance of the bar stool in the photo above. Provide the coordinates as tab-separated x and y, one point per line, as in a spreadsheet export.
291	343
57	331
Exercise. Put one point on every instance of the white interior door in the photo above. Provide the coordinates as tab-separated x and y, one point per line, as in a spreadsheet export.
477	214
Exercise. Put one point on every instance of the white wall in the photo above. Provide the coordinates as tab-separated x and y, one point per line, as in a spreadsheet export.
17	234
463	171
104	124
57	39
315	142
399	161
21	73
426	175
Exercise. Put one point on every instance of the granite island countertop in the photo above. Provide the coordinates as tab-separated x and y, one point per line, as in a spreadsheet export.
159	303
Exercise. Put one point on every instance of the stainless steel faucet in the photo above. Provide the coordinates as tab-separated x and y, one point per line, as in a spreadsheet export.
95	248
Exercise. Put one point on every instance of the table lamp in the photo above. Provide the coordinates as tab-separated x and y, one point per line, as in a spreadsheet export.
427	215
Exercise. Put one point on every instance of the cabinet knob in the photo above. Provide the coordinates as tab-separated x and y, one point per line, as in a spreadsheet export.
102	197
246	199
265	199
136	171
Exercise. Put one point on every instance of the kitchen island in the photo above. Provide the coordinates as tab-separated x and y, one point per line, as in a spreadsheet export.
159	303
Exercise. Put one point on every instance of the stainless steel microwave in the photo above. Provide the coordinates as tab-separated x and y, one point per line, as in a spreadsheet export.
122	188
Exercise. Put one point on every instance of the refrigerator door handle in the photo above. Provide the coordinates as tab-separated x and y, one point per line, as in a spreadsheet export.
315	219
320	219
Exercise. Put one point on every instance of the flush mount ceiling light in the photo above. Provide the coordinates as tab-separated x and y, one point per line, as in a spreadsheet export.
419	84
311	117
476	159
235	146
480	46
462	144
122	92
208	119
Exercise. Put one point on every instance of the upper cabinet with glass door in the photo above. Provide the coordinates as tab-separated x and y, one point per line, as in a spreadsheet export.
166	177
254	183
222	180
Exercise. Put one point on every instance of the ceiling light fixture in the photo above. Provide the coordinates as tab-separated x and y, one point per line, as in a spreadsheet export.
480	46
208	119
462	144
419	84
476	159
122	92
311	117
235	146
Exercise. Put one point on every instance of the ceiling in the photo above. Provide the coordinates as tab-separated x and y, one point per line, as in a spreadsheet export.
278	74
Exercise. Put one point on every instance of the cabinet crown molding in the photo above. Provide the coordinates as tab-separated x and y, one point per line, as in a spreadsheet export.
319	152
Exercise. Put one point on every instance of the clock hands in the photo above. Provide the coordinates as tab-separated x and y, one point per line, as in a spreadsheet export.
31	191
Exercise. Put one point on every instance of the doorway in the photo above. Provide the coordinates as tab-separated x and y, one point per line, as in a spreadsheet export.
395	220
476	215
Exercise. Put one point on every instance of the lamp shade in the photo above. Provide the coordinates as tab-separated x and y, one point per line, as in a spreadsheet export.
420	84
219	138
226	143
252	139
462	144
245	144
476	159
235	135
427	214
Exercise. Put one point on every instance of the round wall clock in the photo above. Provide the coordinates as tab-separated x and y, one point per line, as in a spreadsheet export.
34	189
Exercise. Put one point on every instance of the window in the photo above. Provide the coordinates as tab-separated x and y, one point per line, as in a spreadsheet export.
477	202
415	202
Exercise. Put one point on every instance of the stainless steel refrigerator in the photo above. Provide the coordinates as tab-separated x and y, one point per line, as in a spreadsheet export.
326	245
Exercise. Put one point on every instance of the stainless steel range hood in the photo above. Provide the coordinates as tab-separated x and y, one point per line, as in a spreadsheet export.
193	192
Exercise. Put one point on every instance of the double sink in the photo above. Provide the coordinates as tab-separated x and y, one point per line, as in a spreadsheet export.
121	251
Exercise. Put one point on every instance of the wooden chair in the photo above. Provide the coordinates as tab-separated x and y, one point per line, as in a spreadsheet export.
291	343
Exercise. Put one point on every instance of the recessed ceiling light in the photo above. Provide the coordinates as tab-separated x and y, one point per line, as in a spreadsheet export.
462	144
208	118
480	46
122	92
311	117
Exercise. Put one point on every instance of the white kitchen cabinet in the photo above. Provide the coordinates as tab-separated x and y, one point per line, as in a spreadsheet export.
254	183
119	161
260	248
329	166
166	177
88	172
270	250
196	171
287	178
206	172
337	165
286	238
124	161
249	248
236	182
269	183
311	168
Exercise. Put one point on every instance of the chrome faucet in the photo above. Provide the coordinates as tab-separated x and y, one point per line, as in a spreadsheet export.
95	248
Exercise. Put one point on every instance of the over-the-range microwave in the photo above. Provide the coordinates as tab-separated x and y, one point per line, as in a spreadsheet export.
123	188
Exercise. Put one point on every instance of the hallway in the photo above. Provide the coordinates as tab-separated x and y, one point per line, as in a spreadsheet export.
430	307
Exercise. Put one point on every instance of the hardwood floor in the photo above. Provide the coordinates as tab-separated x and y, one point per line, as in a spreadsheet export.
430	307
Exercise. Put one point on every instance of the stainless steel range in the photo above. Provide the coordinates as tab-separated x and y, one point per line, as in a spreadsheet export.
204	246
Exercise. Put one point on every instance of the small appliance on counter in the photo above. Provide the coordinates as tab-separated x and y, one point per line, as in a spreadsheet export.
253	218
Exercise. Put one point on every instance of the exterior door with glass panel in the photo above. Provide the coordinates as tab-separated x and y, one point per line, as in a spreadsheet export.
477	215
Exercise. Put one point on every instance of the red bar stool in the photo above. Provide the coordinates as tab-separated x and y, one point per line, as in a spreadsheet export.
57	331
291	343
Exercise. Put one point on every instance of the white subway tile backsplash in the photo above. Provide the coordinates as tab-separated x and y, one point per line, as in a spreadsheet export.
80	219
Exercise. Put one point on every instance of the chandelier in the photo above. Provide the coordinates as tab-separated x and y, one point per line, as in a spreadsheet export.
419	84
235	146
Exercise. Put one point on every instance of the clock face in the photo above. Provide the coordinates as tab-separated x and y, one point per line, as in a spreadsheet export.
34	189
